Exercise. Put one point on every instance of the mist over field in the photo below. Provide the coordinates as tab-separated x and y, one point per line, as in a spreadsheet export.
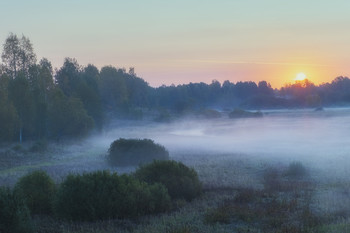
224	116
298	134
318	139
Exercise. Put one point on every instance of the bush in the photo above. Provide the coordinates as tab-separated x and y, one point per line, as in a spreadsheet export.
240	113
132	152
272	180
38	191
18	148
104	195
209	113
39	146
14	214
182	182
296	170
221	214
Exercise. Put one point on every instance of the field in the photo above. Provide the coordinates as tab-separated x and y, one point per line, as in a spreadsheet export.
285	172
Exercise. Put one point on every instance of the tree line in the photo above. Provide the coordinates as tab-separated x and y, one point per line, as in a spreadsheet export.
38	102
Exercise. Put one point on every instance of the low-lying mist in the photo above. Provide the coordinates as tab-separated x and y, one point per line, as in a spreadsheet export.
290	134
222	150
319	139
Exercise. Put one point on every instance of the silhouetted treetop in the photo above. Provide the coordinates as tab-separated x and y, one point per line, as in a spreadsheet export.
37	101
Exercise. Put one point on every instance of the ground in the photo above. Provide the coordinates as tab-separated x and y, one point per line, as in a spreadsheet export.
242	193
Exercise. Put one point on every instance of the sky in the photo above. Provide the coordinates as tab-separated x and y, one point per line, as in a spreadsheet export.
182	41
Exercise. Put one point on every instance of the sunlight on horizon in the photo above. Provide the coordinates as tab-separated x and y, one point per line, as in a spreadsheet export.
300	77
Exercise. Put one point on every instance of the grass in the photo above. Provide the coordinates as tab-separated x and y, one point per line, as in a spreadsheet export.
241	194
280	210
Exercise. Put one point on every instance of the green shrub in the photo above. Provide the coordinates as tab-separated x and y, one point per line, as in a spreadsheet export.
39	146
104	195
272	180
240	113
180	180
132	152
220	214
38	191
18	148
209	113
296	170
14	214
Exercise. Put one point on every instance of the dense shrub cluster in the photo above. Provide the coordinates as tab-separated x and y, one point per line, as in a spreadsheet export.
38	191
105	195
284	205
289	178
296	170
96	196
14	214
132	152
182	182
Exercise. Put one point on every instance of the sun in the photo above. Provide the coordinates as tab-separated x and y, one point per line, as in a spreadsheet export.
300	77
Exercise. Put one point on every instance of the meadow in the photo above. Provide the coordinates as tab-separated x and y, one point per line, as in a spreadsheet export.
284	172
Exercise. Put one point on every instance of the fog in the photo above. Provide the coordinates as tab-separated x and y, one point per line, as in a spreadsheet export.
319	139
290	134
219	149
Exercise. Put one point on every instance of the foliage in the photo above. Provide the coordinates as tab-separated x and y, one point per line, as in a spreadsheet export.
18	54
18	148
181	181
163	116
209	113
296	170
38	191
289	179
36	104
104	195
278	212
67	116
21	97
221	214
271	179
14	214
132	152
39	146
9	121
240	113
81	83
112	88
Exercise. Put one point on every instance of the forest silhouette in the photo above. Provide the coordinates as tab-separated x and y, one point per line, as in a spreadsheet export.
38	102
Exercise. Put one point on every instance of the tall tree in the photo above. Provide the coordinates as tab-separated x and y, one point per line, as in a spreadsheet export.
10	55
8	115
89	94
27	57
112	88
67	77
17	55
22	98
67	116
41	83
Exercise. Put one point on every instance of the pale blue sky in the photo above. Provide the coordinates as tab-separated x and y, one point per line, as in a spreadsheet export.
183	41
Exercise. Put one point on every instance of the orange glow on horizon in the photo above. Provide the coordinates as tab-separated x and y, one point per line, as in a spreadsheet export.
277	72
316	75
300	77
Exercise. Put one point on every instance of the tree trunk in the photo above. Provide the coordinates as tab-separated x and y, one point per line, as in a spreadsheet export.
20	135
